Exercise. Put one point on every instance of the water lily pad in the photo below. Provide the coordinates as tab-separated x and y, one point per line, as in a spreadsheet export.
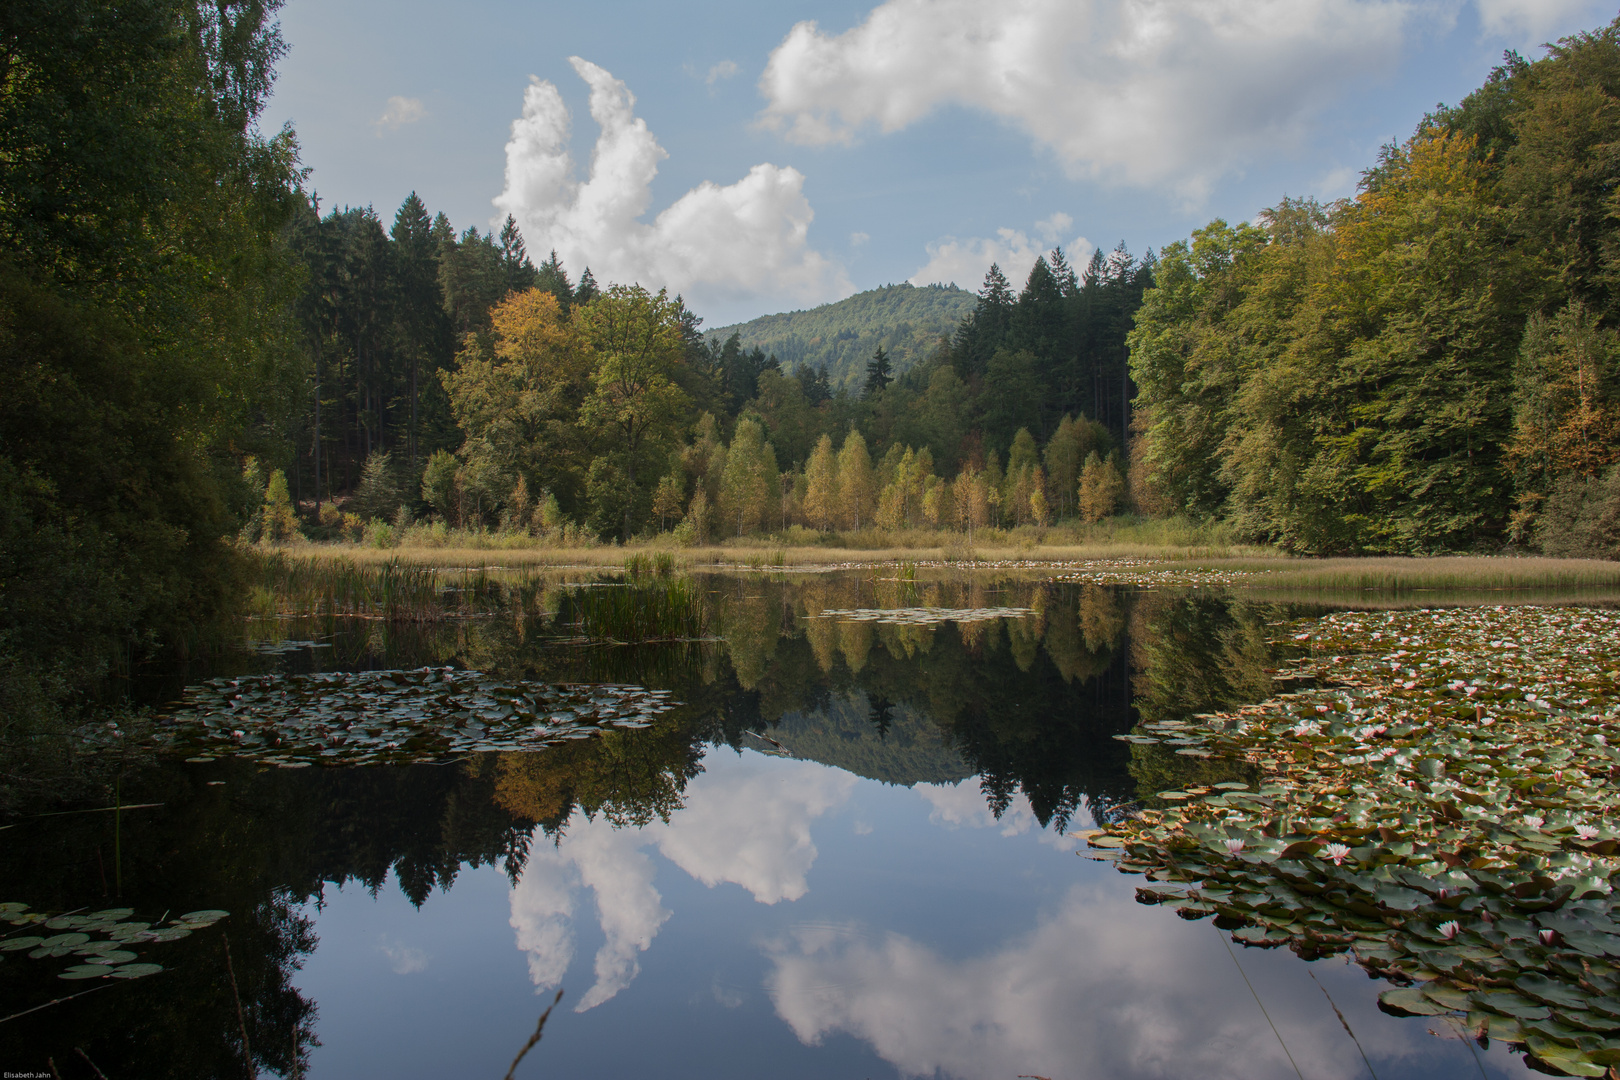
203	917
135	971
84	971
1410	1001
17	944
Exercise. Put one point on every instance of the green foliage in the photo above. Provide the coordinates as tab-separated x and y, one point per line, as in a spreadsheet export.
439	484
840	338
1415	370
382	489
280	519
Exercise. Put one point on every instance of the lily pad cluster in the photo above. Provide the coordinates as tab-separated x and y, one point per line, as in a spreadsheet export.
925	616
282	648
98	944
395	717
1441	799
1146	573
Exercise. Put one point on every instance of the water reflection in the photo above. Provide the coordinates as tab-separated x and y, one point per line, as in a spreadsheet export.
1003	730
745	823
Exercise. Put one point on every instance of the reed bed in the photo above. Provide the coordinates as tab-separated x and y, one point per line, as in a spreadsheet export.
1483	575
668	610
395	591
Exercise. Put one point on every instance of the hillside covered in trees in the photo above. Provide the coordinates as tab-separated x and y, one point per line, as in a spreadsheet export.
1430	366
906	321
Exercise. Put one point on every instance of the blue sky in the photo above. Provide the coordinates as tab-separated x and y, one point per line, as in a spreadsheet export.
768	164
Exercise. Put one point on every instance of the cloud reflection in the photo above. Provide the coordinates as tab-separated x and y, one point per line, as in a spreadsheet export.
746	822
1102	987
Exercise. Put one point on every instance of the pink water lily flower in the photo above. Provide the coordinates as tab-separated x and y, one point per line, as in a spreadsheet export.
1535	821
1547	936
1586	832
1234	846
1448	929
1336	852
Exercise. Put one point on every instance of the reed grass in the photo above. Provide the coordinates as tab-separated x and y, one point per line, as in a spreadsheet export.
393	591
669	610
1403	576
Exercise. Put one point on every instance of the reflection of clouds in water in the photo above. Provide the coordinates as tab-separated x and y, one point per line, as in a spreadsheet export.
963	805
746	822
750	825
402	958
1102	987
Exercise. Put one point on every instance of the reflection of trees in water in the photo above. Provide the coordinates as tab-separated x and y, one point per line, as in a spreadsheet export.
1194	654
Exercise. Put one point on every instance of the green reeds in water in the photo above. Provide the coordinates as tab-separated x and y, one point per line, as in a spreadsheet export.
394	592
656	611
1402	576
659	564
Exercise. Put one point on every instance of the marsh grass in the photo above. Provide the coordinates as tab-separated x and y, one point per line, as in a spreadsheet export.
1481	576
666	610
393	591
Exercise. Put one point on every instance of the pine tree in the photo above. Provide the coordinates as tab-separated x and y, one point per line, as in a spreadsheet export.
878	374
520	272
587	290
552	278
280	520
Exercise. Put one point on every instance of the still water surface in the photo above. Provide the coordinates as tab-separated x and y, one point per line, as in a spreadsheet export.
850	852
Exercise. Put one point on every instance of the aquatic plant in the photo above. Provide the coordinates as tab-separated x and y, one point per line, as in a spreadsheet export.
655	611
924	616
1442	804
394	717
101	941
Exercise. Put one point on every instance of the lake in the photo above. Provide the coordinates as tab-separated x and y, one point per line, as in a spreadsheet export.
848	840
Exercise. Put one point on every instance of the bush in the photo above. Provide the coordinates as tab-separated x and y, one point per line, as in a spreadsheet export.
1581	518
381	491
439	484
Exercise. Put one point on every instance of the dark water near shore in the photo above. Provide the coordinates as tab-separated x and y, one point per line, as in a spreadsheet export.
850	851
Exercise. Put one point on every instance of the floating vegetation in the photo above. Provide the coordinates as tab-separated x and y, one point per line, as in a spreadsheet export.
924	616
394	717
283	648
100	944
1151	573
1442	804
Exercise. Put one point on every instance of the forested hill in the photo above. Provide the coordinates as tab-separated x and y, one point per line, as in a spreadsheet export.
907	321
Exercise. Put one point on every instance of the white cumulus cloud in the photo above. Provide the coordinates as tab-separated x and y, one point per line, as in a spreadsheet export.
1531	22
1163	93
400	111
748	240
725	69
965	262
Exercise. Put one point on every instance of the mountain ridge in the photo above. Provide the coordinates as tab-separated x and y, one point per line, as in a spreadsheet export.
908	321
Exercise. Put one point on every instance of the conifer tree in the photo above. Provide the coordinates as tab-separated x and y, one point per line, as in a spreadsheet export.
879	374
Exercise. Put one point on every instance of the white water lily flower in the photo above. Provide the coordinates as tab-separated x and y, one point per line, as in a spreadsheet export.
1448	929
1535	821
1234	846
1336	852
1586	832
